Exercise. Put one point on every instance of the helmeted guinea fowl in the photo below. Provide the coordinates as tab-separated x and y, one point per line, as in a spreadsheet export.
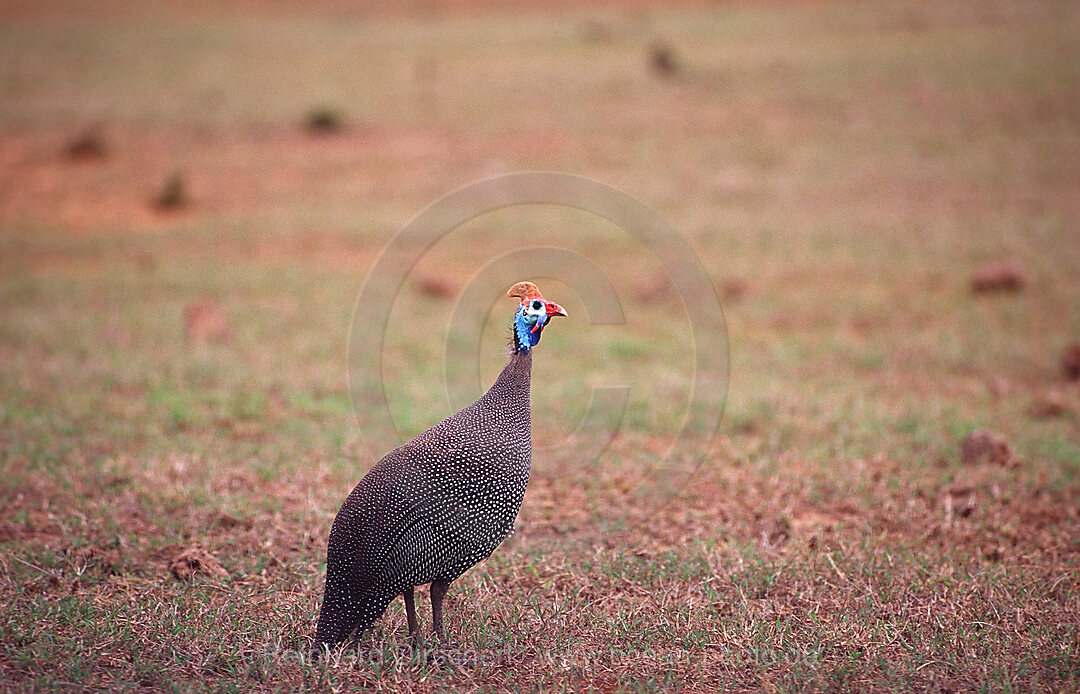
439	504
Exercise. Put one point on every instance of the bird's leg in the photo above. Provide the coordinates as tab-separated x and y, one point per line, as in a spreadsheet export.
410	614
438	592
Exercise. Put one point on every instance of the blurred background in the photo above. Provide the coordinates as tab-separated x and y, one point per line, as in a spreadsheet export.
885	194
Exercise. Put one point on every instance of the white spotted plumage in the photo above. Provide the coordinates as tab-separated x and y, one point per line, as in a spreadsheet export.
431	508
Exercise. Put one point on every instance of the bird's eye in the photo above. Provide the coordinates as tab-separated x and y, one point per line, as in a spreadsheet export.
537	305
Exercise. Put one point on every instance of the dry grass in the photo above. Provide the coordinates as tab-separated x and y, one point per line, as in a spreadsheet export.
841	170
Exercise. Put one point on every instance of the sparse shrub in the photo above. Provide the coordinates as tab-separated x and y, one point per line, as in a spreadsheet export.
87	146
983	445
438	287
1005	276
662	60
324	120
173	195
192	560
1070	362
1049	405
734	288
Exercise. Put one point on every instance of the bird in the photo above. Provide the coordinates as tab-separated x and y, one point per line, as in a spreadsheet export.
433	508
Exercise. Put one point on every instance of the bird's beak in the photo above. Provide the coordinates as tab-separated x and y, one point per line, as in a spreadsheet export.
554	309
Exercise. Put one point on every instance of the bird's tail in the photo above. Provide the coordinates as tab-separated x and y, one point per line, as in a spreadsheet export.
344	613
337	622
352	601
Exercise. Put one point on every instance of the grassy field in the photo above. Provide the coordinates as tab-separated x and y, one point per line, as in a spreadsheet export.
840	169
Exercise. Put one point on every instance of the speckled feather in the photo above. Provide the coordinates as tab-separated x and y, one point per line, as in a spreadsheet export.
432	508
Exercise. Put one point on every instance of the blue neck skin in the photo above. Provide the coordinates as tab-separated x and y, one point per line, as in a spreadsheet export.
525	337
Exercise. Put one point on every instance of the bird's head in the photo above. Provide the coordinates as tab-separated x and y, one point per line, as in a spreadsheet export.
532	315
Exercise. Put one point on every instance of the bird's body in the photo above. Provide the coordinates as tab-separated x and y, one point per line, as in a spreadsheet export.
432	508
